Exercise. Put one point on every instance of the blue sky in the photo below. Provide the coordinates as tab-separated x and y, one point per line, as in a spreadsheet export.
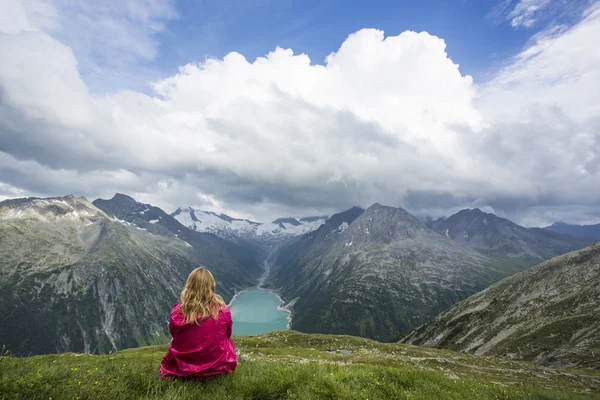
475	38
478	33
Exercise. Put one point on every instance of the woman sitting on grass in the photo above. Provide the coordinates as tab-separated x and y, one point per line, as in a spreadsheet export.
201	329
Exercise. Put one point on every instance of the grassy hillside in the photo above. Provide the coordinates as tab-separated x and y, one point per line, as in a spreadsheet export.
292	365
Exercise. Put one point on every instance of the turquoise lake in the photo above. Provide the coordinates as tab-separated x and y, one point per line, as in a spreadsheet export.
255	311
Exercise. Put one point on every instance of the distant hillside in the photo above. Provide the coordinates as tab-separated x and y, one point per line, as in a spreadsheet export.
291	365
73	279
583	231
549	314
376	273
504	240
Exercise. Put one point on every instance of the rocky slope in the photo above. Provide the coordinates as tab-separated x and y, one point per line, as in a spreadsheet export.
263	235
376	274
504	240
235	263
583	231
549	313
73	279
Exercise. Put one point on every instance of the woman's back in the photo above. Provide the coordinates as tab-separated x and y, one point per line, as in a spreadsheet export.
200	327
199	350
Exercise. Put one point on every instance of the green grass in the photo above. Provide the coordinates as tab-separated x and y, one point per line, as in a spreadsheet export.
291	365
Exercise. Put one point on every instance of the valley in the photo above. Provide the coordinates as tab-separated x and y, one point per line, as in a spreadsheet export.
258	310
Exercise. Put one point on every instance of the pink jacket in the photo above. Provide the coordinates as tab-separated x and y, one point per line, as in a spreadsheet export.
199	351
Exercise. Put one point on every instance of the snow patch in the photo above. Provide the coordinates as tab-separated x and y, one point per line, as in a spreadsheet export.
342	227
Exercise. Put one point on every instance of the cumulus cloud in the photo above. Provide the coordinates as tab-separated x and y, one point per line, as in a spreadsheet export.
388	119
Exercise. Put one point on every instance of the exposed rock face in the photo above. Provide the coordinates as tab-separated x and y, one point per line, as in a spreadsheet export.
549	314
504	240
73	279
376	274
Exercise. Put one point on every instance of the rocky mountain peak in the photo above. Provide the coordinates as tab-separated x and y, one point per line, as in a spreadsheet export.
290	221
313	219
380	223
45	208
472	214
336	223
182	209
123	199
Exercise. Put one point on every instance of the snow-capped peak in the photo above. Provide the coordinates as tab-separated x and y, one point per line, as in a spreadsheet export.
226	226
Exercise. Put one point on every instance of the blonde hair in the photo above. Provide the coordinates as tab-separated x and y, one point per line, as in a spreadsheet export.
198	297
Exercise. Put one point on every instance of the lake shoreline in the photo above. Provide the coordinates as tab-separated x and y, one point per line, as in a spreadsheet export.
287	308
283	307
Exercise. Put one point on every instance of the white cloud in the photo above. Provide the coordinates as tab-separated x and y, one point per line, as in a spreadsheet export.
543	111
109	38
529	14
525	11
385	119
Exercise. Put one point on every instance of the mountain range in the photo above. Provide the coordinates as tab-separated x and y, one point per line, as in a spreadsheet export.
264	235
504	240
381	272
101	276
548	314
376	273
82	270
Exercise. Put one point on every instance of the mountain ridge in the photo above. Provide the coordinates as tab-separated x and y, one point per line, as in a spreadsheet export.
265	235
501	238
548	313
584	231
384	256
